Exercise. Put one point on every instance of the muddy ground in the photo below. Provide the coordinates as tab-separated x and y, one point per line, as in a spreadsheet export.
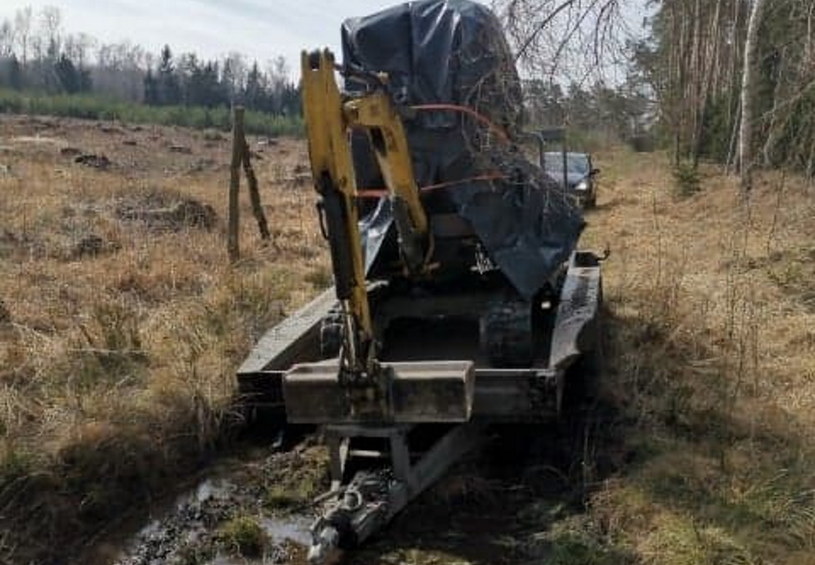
495	507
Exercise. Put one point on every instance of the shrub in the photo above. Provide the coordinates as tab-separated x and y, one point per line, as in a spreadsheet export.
686	179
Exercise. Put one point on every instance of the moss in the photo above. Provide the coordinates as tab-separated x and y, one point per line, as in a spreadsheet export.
243	536
295	479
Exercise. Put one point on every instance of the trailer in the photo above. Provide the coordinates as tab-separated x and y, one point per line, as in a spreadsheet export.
460	296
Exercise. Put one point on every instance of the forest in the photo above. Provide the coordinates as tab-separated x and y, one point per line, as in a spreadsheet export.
77	75
730	81
733	80
679	76
37	54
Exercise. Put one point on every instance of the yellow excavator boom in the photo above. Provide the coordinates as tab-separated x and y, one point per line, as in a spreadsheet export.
330	116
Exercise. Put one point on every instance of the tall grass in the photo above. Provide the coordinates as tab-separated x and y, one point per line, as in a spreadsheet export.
99	108
710	373
117	369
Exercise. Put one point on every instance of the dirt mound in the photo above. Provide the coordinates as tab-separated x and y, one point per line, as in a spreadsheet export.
93	160
182	149
70	151
92	245
20	245
174	214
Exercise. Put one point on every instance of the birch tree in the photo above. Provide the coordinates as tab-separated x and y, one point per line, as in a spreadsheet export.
22	26
748	96
565	40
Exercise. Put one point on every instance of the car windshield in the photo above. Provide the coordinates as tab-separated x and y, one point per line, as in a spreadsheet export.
575	162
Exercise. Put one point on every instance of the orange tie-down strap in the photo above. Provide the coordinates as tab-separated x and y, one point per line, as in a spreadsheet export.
381	192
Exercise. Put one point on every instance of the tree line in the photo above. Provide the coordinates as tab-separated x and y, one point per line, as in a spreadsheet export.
726	80
735	81
36	54
610	113
732	81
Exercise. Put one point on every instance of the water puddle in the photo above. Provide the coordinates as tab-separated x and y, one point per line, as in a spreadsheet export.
215	521
293	528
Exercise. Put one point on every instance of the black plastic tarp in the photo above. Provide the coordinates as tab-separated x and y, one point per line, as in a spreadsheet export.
454	52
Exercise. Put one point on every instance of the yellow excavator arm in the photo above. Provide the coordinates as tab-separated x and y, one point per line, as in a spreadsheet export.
329	117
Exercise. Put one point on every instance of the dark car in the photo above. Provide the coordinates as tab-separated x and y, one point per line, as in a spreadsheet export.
580	176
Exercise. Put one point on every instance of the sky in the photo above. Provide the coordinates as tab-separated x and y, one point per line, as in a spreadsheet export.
260	29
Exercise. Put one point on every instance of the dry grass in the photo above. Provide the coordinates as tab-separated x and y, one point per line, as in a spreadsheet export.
121	335
711	370
117	351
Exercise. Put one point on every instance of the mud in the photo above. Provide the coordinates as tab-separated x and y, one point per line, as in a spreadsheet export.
194	532
92	245
94	161
502	505
256	509
5	313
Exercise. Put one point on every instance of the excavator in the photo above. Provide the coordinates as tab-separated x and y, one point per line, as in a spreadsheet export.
460	299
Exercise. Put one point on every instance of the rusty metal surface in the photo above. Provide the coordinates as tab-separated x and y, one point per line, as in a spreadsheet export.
515	395
498	395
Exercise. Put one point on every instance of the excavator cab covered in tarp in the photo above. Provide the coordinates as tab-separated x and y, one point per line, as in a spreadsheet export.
479	191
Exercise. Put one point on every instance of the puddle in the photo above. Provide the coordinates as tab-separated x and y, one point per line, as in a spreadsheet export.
189	532
293	529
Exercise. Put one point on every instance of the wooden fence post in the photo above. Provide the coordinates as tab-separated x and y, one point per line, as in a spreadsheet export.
254	194
238	149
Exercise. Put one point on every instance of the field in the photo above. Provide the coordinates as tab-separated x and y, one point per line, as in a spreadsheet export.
121	325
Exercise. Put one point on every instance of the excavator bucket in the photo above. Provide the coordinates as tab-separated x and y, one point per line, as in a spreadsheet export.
413	393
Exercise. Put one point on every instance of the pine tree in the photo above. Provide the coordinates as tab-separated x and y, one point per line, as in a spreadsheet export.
15	73
151	94
253	93
69	78
169	89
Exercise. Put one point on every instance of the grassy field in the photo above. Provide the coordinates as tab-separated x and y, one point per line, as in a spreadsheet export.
711	366
121	325
121	322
